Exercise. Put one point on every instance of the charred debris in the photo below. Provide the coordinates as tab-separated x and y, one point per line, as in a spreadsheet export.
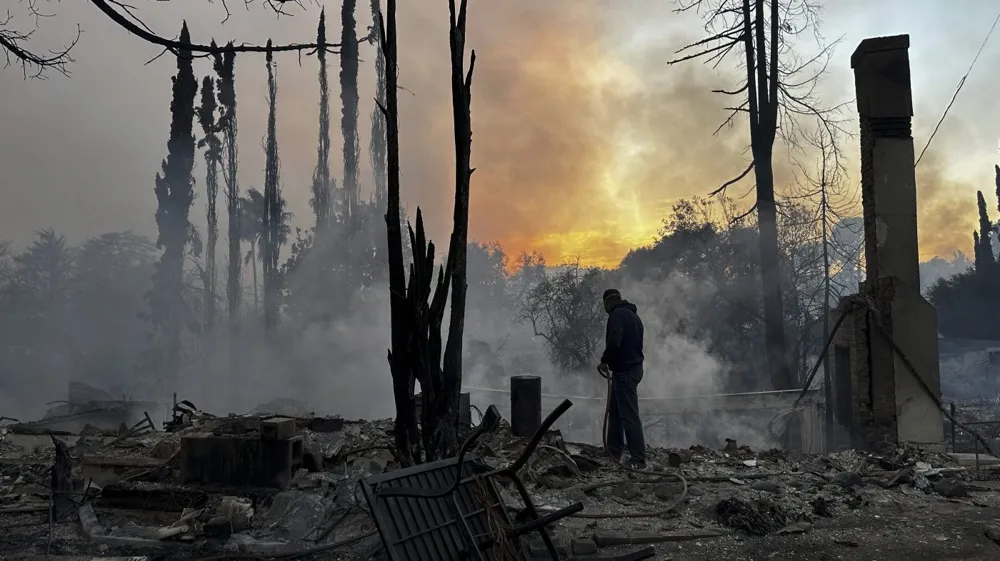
97	476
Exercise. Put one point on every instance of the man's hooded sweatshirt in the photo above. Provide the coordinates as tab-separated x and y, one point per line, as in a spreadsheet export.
623	350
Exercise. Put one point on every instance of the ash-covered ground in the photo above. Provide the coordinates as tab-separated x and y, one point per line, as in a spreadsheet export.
730	502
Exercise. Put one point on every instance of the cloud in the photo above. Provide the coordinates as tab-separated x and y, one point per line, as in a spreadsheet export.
583	135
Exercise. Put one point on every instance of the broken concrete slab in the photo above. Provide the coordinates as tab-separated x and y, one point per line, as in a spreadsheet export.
609	539
106	470
97	533
293	516
951	489
42	444
969	459
326	424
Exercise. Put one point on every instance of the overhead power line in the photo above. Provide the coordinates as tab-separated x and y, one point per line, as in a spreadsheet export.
958	89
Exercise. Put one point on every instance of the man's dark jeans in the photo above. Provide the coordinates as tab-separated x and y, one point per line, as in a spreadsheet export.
624	424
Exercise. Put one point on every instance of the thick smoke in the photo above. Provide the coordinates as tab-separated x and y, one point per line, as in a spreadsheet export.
583	137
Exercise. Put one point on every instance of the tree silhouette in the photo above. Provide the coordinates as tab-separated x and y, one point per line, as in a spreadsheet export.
322	186
777	89
213	156
174	195
274	224
253	209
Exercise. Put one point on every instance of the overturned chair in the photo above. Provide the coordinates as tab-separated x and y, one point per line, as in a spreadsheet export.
452	510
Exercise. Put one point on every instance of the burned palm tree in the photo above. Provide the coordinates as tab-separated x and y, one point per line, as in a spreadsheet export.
225	64
213	155
273	206
256	222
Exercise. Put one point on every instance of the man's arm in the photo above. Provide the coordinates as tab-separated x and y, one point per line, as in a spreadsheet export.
613	338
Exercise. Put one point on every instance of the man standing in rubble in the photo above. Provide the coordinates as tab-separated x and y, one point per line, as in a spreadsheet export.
622	362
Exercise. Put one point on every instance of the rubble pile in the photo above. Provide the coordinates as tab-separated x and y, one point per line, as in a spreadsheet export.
131	491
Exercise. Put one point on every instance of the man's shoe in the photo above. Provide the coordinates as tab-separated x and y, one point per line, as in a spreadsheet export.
636	464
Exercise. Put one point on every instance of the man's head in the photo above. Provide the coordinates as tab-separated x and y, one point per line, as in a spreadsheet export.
611	298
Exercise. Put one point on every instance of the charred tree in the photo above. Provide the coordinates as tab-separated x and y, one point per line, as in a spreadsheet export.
174	191
996	181
225	64
322	187
984	245
775	90
272	219
418	353
349	111
225	69
977	248
405	428
443	439
824	182
213	155
376	147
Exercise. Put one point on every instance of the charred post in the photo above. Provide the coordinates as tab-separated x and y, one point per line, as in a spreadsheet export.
525	405
62	481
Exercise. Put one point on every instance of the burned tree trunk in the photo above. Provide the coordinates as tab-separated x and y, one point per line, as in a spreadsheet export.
376	146
407	436
763	127
349	111
425	344
440	440
417	310
62	481
777	87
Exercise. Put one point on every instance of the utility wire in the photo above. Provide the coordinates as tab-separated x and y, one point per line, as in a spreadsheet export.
958	89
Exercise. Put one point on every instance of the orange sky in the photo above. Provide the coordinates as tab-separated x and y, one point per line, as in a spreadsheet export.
583	136
580	150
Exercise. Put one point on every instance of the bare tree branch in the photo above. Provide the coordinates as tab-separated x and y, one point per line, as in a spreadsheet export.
35	63
722	190
175	46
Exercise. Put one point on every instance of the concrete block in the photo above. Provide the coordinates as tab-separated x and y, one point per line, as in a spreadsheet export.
326	424
277	428
608	539
239	460
584	546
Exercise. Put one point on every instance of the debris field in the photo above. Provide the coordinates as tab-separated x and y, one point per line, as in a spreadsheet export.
285	484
